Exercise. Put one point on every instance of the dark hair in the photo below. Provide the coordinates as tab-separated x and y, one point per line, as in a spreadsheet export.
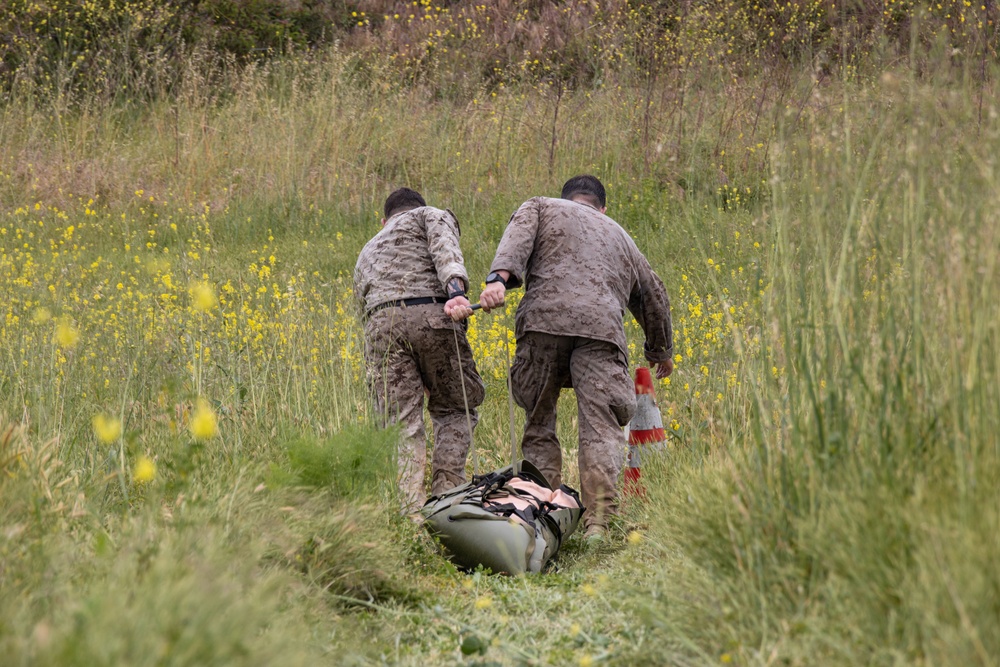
402	198
586	185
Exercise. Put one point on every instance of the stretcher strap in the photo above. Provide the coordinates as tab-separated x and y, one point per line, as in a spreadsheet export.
465	399
510	400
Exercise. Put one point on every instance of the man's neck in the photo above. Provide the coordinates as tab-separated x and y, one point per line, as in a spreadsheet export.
401	209
586	201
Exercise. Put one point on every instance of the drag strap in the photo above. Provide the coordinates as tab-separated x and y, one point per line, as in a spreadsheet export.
465	398
510	401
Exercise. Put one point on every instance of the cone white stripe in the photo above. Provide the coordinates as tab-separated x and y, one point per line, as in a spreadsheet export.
634	457
647	415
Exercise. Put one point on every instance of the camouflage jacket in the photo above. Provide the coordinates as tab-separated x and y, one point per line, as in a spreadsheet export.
580	271
415	254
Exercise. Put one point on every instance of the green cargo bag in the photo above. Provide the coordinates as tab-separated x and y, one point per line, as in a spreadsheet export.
510	521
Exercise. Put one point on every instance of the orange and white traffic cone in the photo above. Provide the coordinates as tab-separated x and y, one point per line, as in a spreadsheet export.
646	428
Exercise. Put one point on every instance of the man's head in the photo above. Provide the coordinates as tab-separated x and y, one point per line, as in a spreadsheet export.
401	200
585	188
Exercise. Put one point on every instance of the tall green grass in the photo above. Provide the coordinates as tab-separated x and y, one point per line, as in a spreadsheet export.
853	515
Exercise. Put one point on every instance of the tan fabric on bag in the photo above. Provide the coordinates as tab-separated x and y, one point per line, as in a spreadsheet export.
535	496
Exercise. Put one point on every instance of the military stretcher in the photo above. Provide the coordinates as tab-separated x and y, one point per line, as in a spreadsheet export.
510	521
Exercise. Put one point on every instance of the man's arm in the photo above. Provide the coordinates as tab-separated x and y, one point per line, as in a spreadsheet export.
650	306
517	244
511	260
446	252
443	244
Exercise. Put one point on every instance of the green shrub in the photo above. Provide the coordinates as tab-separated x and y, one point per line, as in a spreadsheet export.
144	49
356	462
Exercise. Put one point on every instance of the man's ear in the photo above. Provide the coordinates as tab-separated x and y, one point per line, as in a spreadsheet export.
383	222
604	209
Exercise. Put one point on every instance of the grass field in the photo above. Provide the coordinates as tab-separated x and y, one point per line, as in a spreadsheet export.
189	474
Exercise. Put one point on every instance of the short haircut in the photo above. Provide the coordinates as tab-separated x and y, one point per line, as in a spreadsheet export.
400	199
586	185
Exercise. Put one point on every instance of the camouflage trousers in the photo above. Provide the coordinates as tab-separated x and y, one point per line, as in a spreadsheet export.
410	352
605	395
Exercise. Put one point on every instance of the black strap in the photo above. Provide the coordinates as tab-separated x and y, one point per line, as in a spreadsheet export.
416	301
529	514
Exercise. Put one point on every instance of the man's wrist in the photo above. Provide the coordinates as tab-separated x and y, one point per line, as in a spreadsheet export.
657	356
455	287
496	278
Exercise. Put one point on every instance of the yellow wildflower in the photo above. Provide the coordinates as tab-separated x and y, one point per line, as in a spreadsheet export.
204	425
635	537
203	297
144	471
484	602
107	429
67	335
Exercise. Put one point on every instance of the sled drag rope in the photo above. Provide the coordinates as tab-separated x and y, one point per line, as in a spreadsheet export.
465	399
510	400
510	391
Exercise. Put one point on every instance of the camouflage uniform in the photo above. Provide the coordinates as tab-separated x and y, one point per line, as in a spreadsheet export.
410	349
580	270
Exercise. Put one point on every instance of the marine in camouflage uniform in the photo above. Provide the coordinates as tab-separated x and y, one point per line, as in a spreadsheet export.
404	278
580	271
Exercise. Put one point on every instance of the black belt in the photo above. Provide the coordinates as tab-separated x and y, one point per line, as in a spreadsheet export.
417	301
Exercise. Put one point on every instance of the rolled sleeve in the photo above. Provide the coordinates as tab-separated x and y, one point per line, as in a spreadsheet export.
517	243
443	244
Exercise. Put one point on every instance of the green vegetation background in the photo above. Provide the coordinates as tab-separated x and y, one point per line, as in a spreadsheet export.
188	474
